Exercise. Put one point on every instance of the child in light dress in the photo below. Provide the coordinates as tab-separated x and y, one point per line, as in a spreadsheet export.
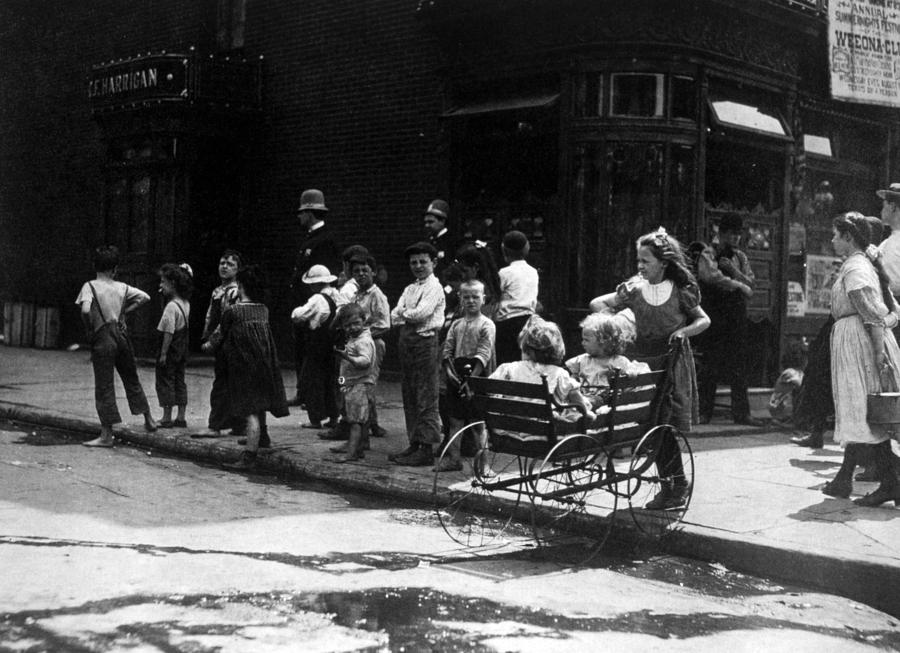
543	351
604	338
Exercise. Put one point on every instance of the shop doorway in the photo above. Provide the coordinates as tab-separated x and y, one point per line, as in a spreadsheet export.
170	198
747	180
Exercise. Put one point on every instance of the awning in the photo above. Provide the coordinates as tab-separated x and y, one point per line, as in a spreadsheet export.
750	118
507	104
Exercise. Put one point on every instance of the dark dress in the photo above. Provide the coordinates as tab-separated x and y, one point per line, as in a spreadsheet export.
654	325
254	376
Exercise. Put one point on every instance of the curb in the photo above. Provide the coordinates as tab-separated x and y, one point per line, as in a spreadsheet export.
875	584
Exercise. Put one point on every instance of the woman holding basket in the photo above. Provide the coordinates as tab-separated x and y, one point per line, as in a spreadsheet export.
864	355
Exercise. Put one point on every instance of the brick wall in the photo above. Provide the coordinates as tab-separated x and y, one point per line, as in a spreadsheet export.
51	153
351	106
351	103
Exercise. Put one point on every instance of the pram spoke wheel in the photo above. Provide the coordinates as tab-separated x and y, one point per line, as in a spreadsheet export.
571	507
470	508
659	491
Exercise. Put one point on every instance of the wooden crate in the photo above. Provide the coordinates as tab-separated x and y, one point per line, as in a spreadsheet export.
18	324
46	327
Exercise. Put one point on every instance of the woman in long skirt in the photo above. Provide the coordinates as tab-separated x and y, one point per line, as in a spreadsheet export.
864	355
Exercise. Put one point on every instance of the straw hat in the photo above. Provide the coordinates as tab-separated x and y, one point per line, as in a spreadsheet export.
318	274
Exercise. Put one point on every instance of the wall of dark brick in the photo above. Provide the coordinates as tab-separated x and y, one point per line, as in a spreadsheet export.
51	153
351	106
352	103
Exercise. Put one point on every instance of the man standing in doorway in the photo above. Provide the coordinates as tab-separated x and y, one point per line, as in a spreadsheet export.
725	359
318	247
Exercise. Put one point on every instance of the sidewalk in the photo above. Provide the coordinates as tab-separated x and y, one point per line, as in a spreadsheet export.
757	505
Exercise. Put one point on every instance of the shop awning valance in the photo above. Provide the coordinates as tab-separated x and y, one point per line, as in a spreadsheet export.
506	104
749	118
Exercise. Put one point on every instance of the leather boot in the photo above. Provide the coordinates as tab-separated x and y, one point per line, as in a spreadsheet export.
813	439
842	484
889	488
412	448
421	457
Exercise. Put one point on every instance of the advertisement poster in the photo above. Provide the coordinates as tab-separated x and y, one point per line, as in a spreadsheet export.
864	51
820	274
796	302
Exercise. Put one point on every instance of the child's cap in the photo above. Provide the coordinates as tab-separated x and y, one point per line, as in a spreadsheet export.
515	241
421	248
318	274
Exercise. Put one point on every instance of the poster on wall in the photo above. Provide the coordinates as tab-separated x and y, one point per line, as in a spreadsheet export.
864	51
821	272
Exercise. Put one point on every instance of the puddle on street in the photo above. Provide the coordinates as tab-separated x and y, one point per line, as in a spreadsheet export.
374	620
41	437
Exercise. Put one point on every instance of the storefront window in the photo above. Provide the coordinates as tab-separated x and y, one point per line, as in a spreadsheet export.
588	95
637	94
684	98
682	189
618	192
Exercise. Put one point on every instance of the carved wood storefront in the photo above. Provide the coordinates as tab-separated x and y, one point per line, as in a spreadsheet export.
647	114
173	127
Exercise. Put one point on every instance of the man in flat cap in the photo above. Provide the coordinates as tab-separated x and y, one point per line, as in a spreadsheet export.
318	247
726	356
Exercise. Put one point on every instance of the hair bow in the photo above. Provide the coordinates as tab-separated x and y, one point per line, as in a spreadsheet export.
187	268
873	253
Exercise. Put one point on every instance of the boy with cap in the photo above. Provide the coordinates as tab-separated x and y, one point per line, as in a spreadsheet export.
518	296
420	314
318	377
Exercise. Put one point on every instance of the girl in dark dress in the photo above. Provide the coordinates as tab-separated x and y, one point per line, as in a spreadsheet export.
665	300
254	376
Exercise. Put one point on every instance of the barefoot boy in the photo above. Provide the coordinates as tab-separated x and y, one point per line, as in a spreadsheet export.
104	303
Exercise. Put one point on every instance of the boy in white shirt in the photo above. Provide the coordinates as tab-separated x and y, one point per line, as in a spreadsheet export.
518	296
420	314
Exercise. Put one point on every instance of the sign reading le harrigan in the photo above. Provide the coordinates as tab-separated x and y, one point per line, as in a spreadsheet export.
864	44
154	77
